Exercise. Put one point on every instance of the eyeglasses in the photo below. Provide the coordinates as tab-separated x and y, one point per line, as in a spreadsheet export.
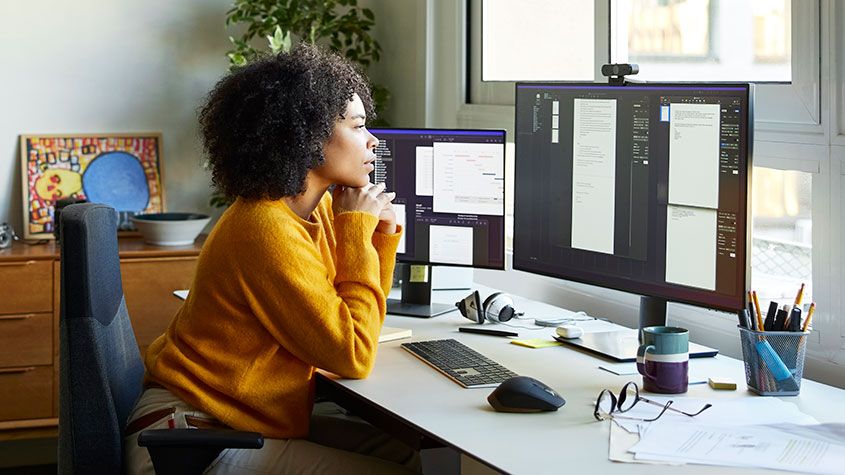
609	406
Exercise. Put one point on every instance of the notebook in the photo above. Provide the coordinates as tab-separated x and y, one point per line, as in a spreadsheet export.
393	333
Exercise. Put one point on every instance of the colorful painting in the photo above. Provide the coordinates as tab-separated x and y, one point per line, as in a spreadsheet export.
122	171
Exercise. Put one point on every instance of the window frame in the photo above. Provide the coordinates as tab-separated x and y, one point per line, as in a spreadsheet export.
783	111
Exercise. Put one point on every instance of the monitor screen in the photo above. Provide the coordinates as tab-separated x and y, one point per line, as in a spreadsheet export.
641	188
450	193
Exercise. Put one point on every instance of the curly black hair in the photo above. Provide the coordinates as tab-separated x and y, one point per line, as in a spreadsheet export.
264	125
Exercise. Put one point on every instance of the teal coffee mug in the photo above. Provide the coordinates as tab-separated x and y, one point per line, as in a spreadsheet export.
663	359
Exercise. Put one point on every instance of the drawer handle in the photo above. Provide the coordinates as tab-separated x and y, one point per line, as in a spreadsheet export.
25	369
17	317
16	264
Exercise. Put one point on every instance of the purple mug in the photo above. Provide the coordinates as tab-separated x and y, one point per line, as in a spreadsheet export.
663	359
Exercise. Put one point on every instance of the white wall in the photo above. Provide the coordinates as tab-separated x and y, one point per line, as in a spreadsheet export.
400	30
91	66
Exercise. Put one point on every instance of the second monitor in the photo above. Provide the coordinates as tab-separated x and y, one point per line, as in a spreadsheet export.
450	200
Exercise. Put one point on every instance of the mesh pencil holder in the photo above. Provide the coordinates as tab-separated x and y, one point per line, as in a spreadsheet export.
774	361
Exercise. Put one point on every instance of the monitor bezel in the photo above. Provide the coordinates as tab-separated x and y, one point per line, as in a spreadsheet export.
447	131
637	287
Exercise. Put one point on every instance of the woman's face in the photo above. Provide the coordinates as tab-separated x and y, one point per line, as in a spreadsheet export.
350	151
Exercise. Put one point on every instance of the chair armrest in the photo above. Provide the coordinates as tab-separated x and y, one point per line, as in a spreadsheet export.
222	438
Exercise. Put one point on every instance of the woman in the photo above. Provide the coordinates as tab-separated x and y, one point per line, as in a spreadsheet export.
291	278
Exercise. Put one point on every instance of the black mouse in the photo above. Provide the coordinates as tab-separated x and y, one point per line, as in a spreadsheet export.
524	394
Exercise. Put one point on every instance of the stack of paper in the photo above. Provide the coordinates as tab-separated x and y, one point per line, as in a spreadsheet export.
723	412
626	433
799	448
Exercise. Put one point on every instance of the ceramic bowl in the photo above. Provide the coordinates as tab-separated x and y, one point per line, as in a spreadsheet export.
170	229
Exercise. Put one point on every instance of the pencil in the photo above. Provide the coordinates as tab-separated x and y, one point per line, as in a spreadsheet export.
809	317
757	310
799	296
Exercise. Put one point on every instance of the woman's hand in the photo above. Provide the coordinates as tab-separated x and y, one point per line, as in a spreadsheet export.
369	199
387	219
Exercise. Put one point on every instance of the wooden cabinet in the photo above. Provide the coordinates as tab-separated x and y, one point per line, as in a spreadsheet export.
148	285
29	321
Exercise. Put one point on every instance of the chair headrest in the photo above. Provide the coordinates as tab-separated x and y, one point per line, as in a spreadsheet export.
90	263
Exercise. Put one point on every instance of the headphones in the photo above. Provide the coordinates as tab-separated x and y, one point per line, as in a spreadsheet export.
497	308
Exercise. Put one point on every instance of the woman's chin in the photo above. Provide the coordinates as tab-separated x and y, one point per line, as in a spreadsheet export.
360	182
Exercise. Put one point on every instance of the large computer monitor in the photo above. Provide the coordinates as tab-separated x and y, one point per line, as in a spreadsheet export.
642	188
450	199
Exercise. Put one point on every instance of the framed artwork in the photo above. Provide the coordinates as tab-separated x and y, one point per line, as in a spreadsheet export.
120	170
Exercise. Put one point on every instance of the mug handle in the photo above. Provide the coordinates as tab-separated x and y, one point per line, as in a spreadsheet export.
641	366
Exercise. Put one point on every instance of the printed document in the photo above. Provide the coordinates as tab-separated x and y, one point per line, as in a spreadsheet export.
795	449
694	155
593	174
469	178
691	246
742	411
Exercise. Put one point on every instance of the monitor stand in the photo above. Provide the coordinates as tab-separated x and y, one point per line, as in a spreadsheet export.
652	311
416	295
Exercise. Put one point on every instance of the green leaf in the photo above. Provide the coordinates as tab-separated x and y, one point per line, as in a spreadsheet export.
286	42
368	13
280	41
237	59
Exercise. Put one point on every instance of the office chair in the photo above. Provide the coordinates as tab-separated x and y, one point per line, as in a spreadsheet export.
100	372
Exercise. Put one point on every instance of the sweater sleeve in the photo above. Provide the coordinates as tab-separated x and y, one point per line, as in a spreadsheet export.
386	245
332	325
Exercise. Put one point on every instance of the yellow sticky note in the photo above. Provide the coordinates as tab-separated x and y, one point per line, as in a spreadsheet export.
536	343
722	383
419	273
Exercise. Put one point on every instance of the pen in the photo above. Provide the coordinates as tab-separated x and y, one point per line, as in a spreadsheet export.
780	321
770	315
794	324
743	318
750	312
809	317
757	310
487	331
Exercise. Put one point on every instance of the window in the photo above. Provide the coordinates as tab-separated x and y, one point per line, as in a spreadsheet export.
704	40
652	30
774	43
517	43
781	248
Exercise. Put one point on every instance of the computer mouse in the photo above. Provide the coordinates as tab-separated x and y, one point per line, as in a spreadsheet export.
569	331
524	394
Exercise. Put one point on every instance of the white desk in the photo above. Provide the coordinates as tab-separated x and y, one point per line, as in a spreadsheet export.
407	397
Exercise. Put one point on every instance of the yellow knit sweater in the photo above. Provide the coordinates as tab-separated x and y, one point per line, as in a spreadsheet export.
274	297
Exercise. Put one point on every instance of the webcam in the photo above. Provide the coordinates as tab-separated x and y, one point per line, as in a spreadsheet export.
617	72
623	69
